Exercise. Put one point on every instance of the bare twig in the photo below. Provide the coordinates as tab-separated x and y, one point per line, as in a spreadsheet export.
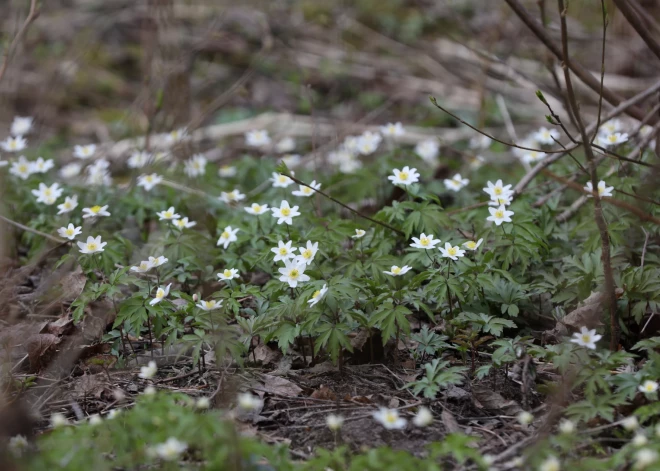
583	74
34	231
610	295
11	50
635	21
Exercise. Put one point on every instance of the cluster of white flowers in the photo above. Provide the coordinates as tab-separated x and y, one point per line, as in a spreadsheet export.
500	197
195	166
145	265
610	133
543	137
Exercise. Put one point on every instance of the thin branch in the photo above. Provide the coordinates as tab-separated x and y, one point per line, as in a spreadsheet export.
509	144
602	70
583	74
610	295
11	50
357	213
33	231
631	15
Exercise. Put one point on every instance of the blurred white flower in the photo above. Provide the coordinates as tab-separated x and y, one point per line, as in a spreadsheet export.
22	168
398	271
456	183
499	215
183	223
228	274
256	209
13	144
21	126
404	177
248	402
148	182
95	211
546	136
285	213
227	237
170	450
648	386
227	171
428	150
161	293
334	422
392	130
614	139
389	418
70	232
17	445
175	136
139	159
42	166
92	246
586	338
167	215
284	145
70	170
84	152
149	371
48	194
305	190
317	295
257	138
195	166
603	189
280	181
424	417
480	142
231	196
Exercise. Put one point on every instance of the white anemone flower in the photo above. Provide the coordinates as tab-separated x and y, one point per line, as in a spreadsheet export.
456	183
453	252
546	136
228	274
22	168
69	232
256	209
498	190
95	211
47	194
227	237
404	177
227	171
425	242
84	152
389	418
305	190
17	445
161	293
293	273
586	338
283	251
231	196
359	234
70	170
424	417
249	402
21	126
92	246
280	181
176	135
428	150
392	130
14	144
317	295
195	166
648	387
139	159
645	457
257	138
334	422
183	223
603	190
284	145
307	253
143	267
398	271
209	305
70	203
472	245
613	139
285	213
499	215
42	166
551	463
168	214
158	261
148	182
170	450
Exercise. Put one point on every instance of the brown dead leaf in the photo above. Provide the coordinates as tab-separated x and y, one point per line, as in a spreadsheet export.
449	421
59	327
360	339
266	355
588	314
92	386
278	385
72	284
393	403
40	348
494	401
360	399
325	393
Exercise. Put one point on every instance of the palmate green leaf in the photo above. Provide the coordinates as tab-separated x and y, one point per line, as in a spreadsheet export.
285	335
389	318
334	338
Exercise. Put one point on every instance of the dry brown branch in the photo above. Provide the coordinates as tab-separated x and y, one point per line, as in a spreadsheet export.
583	74
33	231
598	210
11	49
635	21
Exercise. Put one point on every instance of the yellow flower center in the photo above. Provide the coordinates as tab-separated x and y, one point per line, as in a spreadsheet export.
316	294
307	190
227	273
396	270
13	145
649	387
69	231
499	214
160	293
586	338
452	250
95	209
179	222
294	273
168	214
67	205
471	245
285	211
307	253
149	178
22	168
497	190
231	195
403	175
143	266
91	246
209	304
390	418
424	241
611	138
48	192
282	178
283	251
256	208
225	235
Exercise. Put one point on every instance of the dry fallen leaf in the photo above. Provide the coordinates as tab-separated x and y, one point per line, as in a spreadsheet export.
278	385
449	421
494	401
325	393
